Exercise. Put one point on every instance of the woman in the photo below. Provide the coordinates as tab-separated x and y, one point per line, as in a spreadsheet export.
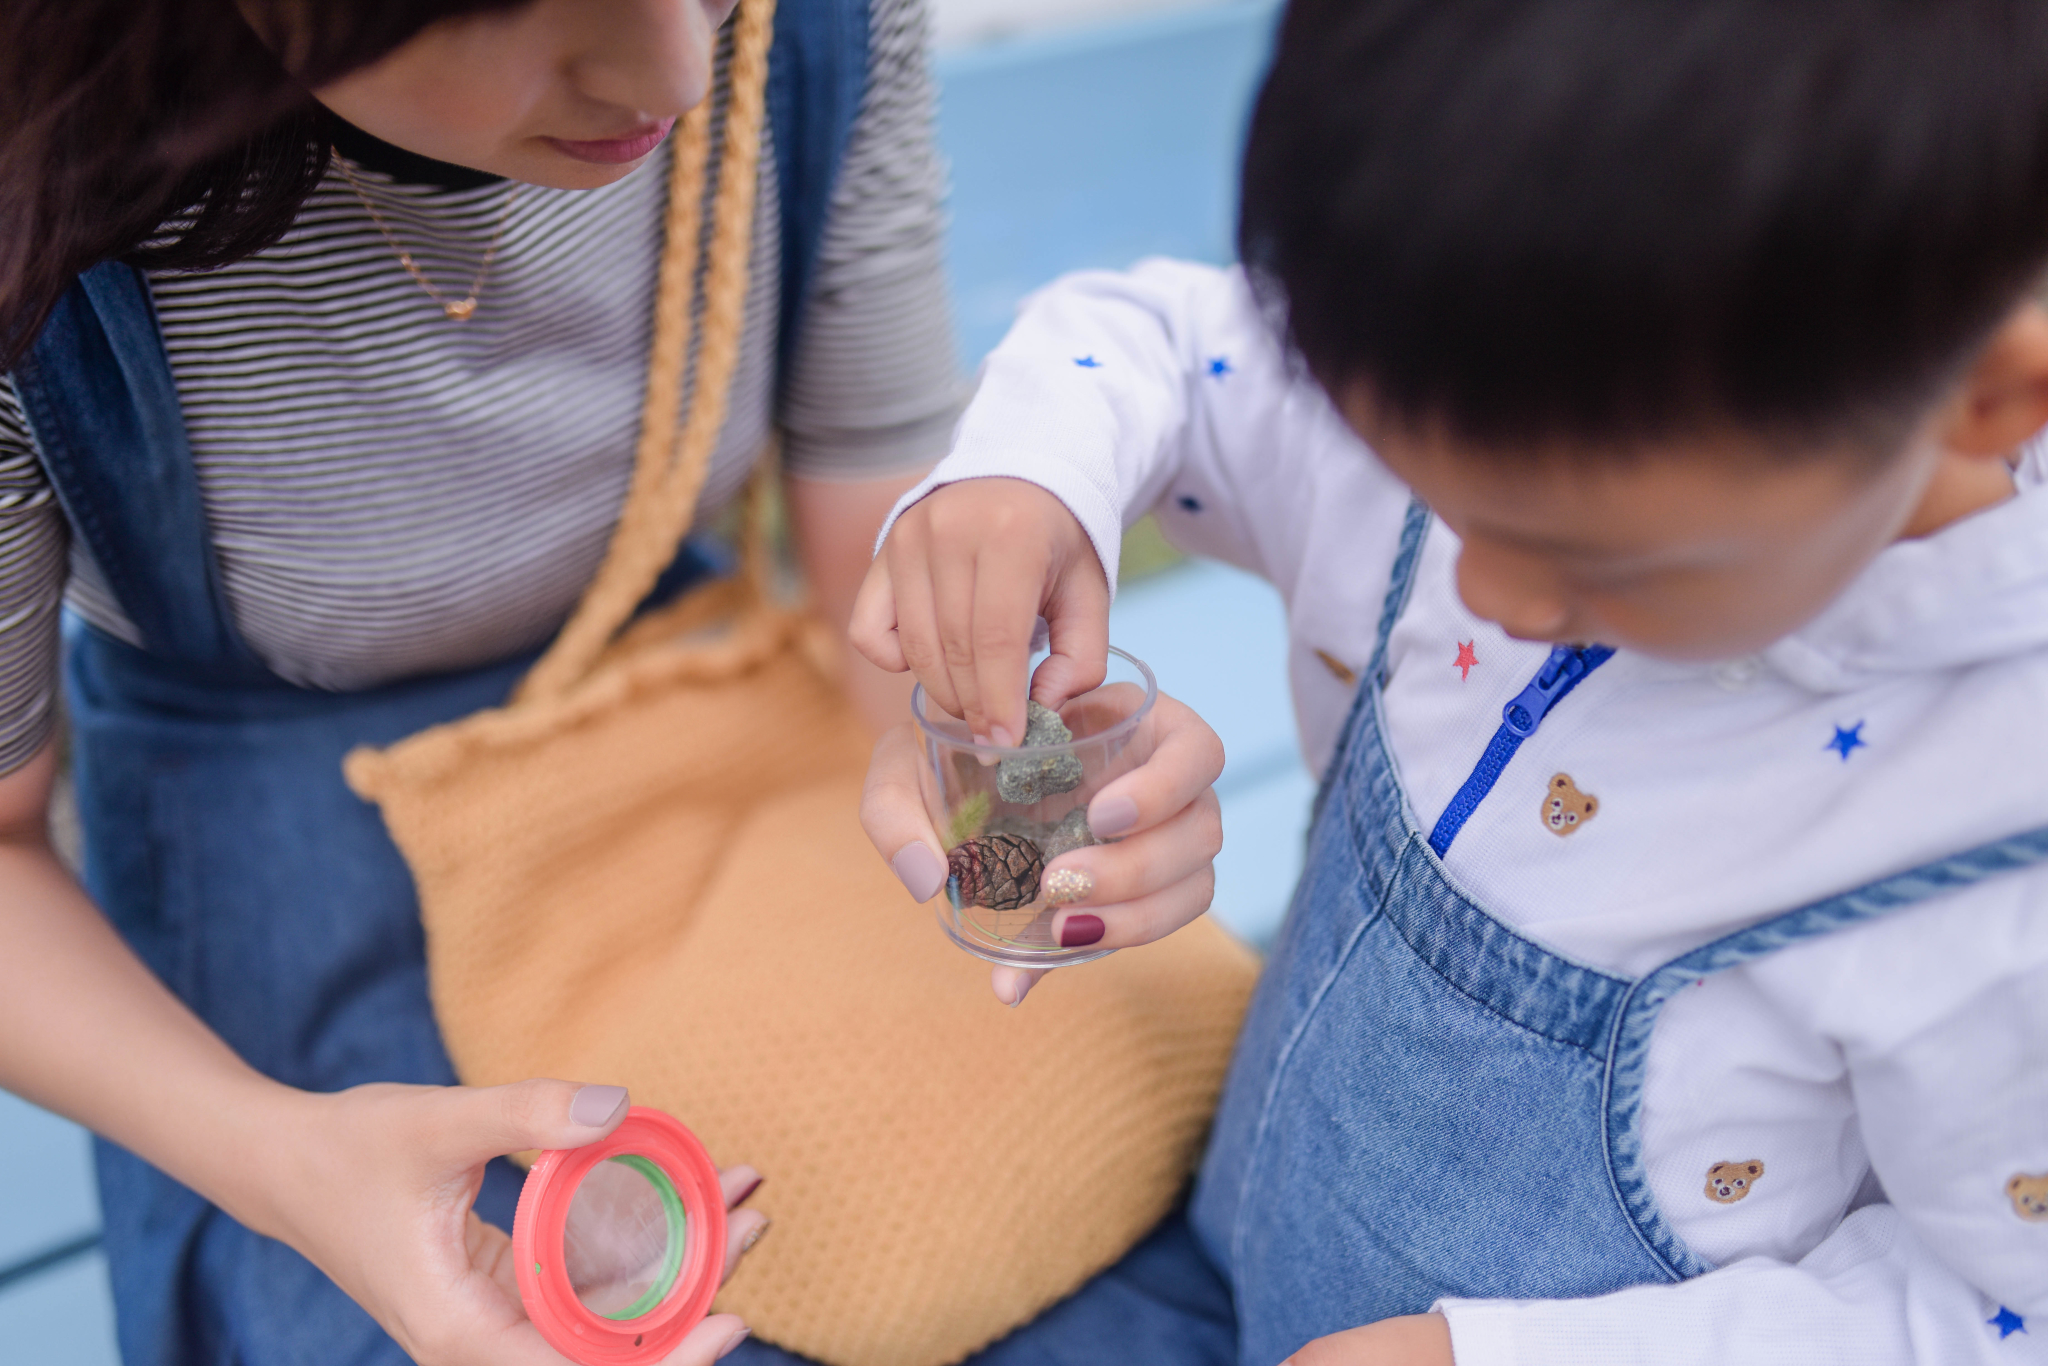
360	480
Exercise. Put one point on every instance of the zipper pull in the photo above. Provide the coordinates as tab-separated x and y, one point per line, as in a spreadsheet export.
1559	675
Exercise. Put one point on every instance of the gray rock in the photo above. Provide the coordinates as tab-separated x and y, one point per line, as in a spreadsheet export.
1071	832
1026	780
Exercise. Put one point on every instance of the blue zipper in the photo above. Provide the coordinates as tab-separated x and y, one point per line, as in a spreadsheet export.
1566	668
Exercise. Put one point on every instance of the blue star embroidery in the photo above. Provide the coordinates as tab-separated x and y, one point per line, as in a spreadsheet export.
1219	366
1189	503
1088	362
2007	1323
1847	739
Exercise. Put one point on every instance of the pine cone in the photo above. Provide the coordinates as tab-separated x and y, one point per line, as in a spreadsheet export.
1000	872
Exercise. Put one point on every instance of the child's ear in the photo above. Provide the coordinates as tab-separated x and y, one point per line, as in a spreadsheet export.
2003	399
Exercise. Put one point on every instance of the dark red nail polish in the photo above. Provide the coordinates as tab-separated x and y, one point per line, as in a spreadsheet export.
1080	931
748	1193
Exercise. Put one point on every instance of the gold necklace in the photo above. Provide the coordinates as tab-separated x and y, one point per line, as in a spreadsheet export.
459	310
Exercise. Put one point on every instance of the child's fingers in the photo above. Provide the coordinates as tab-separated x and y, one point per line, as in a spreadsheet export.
917	628
892	812
1005	615
1186	759
953	571
1168	853
1077	622
872	629
1131	923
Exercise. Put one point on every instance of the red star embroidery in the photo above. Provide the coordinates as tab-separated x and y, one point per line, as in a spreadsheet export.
1466	659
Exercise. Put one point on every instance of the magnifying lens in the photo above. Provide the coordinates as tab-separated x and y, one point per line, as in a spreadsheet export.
619	1246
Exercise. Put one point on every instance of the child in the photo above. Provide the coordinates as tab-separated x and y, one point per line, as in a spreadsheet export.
1669	978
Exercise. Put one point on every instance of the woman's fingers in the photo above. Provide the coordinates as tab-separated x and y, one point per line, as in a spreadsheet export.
1011	985
1186	759
742	1231
893	814
1169	853
738	1185
466	1126
708	1341
745	1227
1131	923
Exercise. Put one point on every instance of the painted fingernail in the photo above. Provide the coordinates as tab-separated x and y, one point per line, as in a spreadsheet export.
594	1106
1065	886
748	1193
737	1339
921	871
755	1236
1080	931
1111	816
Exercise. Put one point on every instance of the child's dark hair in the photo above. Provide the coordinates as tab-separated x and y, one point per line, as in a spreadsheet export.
1603	221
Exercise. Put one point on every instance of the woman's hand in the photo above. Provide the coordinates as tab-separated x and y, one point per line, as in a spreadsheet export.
1155	878
956	593
1412	1340
374	1186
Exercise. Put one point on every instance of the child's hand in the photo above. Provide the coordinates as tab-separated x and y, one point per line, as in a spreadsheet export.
958	588
1156	877
1413	1340
374	1185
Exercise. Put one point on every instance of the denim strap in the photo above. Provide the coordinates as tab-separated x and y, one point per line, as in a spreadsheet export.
817	76
1636	1020
104	410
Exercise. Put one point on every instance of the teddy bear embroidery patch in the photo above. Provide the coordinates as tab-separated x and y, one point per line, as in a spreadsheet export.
2029	1196
1728	1182
1565	808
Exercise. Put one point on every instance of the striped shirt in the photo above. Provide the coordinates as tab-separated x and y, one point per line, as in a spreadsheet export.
392	493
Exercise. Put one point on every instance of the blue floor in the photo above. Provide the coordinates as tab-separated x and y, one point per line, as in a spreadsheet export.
1087	149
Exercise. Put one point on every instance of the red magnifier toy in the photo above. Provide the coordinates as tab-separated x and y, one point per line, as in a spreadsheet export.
620	1246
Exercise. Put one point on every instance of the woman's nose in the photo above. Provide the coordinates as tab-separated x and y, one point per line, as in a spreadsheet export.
1514	591
652	57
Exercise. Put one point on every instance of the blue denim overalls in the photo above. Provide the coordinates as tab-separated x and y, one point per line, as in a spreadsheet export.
220	838
1423	1102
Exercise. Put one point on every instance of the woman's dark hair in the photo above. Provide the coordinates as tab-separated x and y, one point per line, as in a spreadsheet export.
167	132
1610	220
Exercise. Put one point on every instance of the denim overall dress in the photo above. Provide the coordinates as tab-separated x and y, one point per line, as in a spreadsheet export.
220	838
1424	1103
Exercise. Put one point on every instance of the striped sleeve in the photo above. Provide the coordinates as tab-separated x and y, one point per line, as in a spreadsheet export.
874	387
32	568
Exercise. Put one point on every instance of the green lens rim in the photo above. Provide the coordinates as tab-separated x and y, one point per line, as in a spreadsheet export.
678	1237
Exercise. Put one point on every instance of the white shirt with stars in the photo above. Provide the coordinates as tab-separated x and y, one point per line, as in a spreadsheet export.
1892	1079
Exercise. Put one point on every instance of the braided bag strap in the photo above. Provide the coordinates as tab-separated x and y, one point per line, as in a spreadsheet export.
668	470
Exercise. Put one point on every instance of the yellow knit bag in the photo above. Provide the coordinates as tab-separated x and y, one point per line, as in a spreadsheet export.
648	869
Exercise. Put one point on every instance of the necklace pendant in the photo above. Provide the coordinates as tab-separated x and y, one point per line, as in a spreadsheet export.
461	309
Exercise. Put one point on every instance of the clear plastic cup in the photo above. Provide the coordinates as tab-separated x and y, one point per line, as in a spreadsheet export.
1004	813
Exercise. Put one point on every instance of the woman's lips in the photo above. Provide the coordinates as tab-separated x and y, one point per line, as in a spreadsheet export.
615	151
